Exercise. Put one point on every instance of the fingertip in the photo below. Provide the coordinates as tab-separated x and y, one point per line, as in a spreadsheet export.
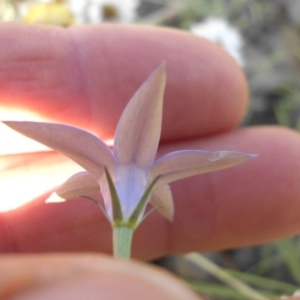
87	277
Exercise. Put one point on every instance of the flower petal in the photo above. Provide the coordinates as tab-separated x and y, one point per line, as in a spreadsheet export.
186	163
81	146
130	183
138	131
162	198
80	184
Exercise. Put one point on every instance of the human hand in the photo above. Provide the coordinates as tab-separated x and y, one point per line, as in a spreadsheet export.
83	76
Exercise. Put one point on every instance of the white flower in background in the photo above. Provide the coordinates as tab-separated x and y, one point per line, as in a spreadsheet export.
220	32
7	11
97	11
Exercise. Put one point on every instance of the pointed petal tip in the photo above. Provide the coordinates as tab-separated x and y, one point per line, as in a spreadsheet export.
220	155
160	72
54	198
139	128
249	156
162	66
162	200
161	69
10	123
170	218
7	123
167	214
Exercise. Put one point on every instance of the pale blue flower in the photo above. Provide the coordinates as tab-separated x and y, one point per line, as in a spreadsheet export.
131	165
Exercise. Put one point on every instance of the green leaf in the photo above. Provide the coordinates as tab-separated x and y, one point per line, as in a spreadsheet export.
116	205
265	283
289	252
215	290
138	210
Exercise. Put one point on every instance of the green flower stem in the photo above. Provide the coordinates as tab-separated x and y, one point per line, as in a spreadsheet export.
122	239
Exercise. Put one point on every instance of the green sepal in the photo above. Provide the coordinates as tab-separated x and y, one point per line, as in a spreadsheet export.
138	210
116	205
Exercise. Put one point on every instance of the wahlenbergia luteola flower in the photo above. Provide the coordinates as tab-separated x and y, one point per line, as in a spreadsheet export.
128	177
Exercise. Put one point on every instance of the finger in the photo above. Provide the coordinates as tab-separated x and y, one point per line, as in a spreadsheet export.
85	276
252	203
85	76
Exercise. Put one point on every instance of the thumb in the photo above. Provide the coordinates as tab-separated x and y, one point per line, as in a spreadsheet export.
75	276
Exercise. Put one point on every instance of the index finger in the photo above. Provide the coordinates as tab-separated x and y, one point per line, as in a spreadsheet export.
85	76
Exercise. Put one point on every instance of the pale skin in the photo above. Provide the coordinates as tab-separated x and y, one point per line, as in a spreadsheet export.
84	76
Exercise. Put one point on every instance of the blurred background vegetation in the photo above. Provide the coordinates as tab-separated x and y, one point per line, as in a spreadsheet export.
264	38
